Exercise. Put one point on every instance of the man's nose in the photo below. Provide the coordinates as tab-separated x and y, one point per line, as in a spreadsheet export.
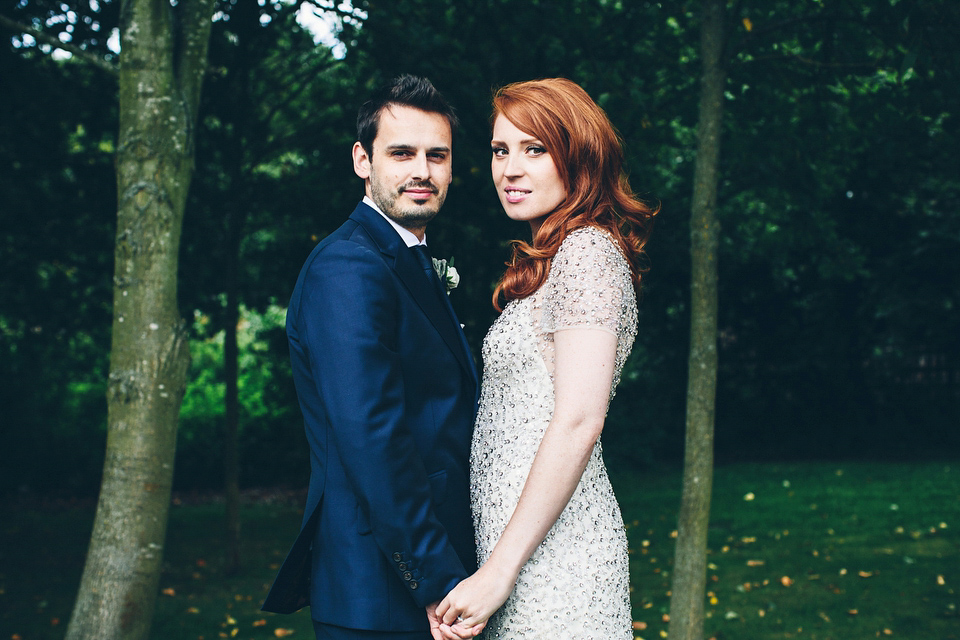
420	168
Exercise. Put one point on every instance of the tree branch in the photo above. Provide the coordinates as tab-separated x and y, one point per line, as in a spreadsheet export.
46	38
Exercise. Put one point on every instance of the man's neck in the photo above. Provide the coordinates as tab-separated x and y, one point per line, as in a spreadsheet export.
409	237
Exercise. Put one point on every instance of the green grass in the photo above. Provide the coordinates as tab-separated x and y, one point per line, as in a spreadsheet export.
816	551
867	550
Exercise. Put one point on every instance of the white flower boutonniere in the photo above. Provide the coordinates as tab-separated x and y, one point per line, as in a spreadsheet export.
447	273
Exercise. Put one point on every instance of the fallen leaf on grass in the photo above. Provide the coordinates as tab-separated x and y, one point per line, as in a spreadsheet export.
259	623
941	581
169	592
639	626
786	581
852	612
193	610
865	574
283	633
755	563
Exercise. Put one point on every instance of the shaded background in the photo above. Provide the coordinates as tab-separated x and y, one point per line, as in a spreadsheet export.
839	203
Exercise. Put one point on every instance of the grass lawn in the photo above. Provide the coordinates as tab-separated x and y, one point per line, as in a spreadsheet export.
816	551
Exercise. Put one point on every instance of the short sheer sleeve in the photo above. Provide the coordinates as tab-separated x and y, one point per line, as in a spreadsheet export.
589	285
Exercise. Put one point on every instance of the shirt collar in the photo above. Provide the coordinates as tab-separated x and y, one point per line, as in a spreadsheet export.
406	235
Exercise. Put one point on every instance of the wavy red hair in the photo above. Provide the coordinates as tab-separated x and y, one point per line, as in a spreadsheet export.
588	154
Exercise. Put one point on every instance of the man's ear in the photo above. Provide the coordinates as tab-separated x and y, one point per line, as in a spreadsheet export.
361	161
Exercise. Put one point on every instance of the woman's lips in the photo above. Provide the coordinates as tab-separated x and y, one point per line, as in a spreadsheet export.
515	195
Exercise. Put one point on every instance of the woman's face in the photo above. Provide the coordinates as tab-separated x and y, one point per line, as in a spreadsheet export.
525	176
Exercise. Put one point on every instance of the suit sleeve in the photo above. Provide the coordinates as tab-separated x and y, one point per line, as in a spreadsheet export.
349	314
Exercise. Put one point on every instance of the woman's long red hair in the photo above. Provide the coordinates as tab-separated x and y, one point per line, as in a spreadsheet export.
588	155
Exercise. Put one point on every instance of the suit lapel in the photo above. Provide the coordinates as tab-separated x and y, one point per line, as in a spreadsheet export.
405	264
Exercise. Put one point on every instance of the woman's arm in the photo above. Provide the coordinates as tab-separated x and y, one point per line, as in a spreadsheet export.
583	373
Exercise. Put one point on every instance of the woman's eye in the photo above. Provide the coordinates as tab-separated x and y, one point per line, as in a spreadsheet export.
499	152
535	150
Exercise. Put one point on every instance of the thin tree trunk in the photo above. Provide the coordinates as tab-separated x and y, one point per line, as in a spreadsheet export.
231	372
159	91
690	562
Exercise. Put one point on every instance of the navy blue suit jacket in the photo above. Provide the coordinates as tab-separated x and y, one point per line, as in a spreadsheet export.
388	392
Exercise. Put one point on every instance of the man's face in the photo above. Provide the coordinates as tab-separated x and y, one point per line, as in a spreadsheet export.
410	167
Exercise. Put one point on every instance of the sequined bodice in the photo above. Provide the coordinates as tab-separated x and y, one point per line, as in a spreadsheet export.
576	584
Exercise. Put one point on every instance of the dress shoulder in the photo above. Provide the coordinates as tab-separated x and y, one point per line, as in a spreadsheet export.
589	284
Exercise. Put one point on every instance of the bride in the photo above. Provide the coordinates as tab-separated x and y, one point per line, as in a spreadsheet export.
551	540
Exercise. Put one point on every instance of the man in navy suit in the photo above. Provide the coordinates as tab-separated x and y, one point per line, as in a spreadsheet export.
388	392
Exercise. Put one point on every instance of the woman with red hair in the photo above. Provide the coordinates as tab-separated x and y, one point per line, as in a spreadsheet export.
551	540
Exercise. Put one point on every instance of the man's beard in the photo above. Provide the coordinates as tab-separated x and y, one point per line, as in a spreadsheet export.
414	217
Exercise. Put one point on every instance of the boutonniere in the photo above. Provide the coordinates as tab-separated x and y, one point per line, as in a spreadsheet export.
447	273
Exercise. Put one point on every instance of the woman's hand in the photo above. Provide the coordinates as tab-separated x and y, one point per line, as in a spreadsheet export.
466	609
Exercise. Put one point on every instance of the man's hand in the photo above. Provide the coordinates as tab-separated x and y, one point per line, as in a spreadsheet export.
434	621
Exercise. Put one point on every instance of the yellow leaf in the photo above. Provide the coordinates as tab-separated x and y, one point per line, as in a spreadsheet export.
755	563
259	623
639	626
865	574
749	497
193	610
234	632
231	620
169	592
941	581
786	581
747	24
283	633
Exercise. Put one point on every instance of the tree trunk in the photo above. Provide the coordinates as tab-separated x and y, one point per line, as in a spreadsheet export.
231	372
162	66
690	562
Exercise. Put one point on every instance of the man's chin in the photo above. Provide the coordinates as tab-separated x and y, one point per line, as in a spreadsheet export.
413	217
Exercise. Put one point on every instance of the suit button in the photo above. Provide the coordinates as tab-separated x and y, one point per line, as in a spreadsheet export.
414	585
407	576
397	556
402	566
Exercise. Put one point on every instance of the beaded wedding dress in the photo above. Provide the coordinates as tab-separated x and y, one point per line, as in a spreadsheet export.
576	584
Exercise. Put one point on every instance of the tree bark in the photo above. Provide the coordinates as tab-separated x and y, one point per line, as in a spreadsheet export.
162	65
690	570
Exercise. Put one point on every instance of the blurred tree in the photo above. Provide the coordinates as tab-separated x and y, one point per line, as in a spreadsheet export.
57	216
271	102
160	76
161	73
690	559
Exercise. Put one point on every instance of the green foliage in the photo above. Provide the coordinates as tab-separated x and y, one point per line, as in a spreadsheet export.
840	187
272	446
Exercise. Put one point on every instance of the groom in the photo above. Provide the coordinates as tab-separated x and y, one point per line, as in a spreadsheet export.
388	390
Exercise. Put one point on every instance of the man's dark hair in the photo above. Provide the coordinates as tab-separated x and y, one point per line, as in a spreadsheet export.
407	91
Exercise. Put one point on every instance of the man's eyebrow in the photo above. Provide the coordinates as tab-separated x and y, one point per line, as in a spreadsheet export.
400	146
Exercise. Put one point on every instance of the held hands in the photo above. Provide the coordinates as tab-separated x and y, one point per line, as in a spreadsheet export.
466	609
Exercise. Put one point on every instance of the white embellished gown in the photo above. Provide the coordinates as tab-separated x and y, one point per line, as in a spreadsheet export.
576	584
